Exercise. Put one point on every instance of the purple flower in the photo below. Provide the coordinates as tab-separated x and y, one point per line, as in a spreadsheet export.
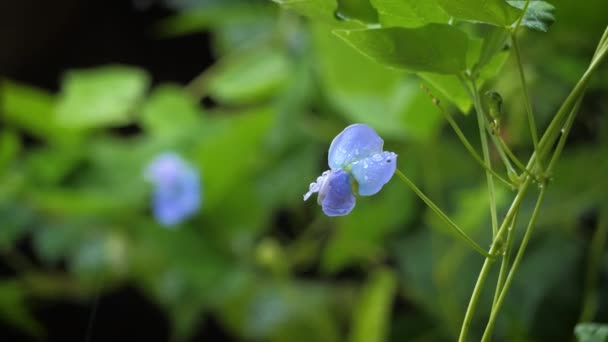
356	161
177	189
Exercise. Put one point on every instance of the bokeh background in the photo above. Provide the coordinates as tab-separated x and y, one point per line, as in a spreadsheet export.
251	96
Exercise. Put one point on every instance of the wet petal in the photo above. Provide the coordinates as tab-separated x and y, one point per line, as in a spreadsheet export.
355	142
373	172
336	196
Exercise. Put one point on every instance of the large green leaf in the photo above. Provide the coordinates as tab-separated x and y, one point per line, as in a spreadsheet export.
100	96
495	12
409	13
371	316
539	15
434	48
367	92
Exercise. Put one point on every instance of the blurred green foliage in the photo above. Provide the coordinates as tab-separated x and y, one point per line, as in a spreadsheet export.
265	264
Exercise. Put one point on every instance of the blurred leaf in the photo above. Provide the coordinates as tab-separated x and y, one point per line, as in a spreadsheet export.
539	15
31	109
495	12
360	10
409	13
170	113
371	316
250	78
100	96
9	148
317	9
434	48
228	148
282	311
13	308
591	332
360	235
204	18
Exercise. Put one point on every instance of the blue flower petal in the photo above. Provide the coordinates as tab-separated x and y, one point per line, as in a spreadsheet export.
355	142
177	189
373	172
336	195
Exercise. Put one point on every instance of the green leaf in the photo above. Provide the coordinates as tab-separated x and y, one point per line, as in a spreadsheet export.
539	15
31	109
494	41
100	96
372	313
14	311
370	93
495	12
450	87
227	149
317	9
360	10
169	112
250	78
409	13
591	332
434	48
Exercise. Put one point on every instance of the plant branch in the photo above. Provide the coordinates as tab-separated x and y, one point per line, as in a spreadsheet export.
442	215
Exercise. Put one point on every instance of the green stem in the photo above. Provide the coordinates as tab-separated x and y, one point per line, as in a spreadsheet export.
596	250
485	269
442	215
528	104
545	143
504	264
468	145
514	158
499	148
522	248
486	157
553	130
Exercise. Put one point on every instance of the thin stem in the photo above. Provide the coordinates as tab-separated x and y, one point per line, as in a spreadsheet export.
466	142
527	103
486	157
565	131
442	215
485	269
590	293
504	264
522	248
499	148
513	157
554	127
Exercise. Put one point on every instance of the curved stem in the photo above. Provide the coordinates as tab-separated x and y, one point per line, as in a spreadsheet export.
442	215
490	326
486	157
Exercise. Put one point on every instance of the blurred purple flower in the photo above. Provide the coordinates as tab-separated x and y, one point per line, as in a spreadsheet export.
177	188
355	158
